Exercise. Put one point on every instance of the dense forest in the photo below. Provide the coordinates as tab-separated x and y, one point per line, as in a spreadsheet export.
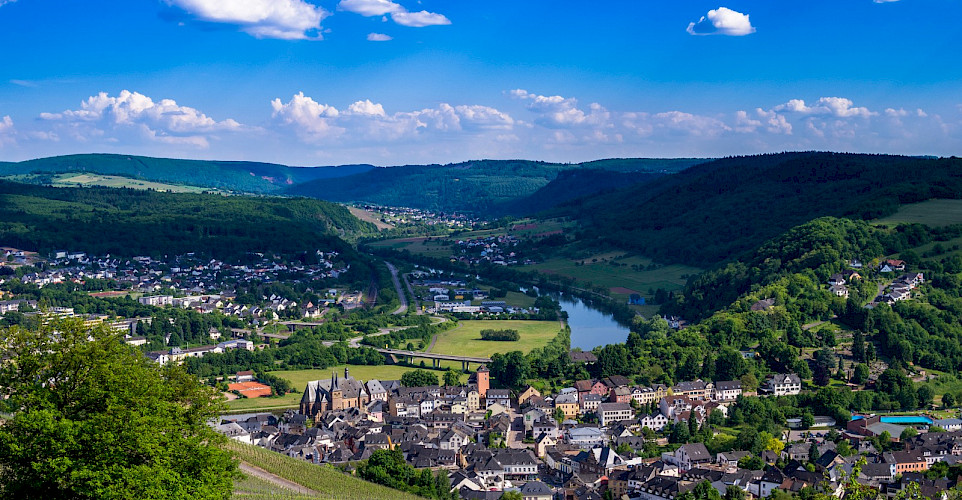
571	184
244	176
716	211
131	222
484	187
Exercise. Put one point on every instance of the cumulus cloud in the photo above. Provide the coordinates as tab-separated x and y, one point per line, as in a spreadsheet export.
365	120
399	14
722	21
836	106
370	8
161	121
378	37
283	19
420	19
6	130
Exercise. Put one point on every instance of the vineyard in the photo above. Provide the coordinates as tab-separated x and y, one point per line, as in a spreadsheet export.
323	478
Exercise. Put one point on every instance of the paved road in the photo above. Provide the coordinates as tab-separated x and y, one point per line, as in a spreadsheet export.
275	479
407	283
397	287
356	341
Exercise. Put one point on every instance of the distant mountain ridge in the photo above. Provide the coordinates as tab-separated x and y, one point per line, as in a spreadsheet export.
720	209
243	176
483	186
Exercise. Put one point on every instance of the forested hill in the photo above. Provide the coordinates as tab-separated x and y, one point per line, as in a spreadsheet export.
718	210
131	222
485	186
571	184
243	176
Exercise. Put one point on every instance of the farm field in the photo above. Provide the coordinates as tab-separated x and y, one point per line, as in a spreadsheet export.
934	213
466	338
368	216
321	478
614	271
71	180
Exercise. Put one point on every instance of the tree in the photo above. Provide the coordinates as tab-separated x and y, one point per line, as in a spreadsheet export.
807	420
860	374
948	400
418	378
908	433
734	493
452	377
107	423
510	495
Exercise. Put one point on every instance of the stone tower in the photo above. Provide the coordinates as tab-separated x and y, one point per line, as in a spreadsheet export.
484	381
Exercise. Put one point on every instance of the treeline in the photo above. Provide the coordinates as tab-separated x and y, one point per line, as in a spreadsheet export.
718	210
130	222
303	350
500	335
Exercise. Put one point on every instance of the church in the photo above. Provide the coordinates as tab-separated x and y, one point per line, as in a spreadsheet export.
334	394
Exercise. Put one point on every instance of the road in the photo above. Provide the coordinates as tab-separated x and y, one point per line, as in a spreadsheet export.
397	286
275	479
355	342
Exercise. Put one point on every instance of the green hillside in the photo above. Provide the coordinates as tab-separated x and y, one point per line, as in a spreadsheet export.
483	186
324	479
250	177
571	184
135	222
718	210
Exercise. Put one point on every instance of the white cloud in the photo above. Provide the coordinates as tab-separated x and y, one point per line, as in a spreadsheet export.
283	19
378	37
398	13
836	106
554	111
161	121
366	107
370	8
885	1
4	2
366	121
6	130
420	19
722	21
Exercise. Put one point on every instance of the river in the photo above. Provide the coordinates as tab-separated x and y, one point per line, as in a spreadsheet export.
590	327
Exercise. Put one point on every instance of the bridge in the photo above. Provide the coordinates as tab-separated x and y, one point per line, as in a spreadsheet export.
294	325
434	357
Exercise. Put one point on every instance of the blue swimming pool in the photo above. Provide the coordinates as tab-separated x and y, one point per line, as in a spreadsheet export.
910	420
902	420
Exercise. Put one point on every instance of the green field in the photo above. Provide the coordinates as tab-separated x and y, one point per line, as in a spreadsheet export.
321	478
614	271
934	213
71	180
465	340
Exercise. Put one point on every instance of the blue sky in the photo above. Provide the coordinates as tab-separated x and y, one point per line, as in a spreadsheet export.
311	82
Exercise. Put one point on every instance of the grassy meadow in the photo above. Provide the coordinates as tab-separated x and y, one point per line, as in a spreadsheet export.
72	180
465	339
935	213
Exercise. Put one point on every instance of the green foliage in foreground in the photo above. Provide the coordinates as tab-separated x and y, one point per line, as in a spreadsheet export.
93	418
132	222
321	478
